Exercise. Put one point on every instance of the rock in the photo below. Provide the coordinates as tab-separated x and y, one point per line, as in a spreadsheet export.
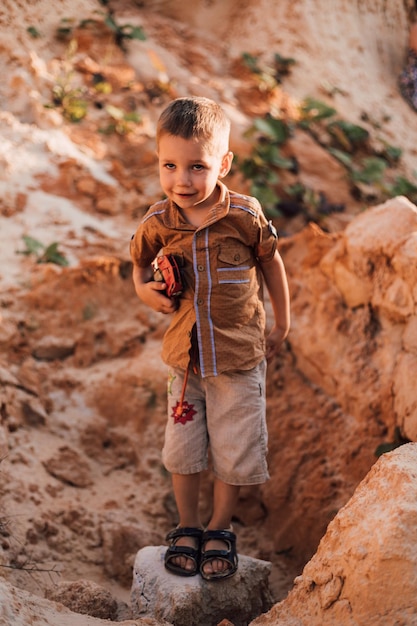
33	412
366	276
365	569
20	608
68	465
121	541
54	348
86	597
8	333
189	601
6	377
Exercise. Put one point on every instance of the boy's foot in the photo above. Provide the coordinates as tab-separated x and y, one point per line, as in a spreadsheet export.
218	554
183	555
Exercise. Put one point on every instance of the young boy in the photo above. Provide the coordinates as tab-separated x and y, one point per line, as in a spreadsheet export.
215	345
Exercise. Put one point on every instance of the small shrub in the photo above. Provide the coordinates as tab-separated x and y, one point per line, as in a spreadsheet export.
121	123
312	111
123	31
33	32
42	253
265	160
403	187
269	76
349	136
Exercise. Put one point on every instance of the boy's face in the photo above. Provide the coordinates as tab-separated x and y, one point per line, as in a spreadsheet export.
189	171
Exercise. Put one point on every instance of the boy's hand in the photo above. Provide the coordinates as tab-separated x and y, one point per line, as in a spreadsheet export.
152	292
274	342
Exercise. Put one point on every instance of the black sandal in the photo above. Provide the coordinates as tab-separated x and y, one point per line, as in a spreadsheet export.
229	555
175	551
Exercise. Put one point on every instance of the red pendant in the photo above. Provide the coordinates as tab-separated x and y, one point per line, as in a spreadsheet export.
183	412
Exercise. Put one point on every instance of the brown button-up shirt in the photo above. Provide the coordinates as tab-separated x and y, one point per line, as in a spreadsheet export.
223	285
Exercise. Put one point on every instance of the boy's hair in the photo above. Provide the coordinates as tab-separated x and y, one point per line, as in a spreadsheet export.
196	117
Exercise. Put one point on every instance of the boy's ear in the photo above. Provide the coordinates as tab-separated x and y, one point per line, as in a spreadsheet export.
226	164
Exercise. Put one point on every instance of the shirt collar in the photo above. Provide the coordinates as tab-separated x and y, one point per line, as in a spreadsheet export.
174	219
221	208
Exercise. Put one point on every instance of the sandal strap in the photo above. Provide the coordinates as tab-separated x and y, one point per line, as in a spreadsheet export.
223	535
187	551
184	531
191	553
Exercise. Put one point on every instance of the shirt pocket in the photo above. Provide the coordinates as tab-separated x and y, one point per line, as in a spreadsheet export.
234	264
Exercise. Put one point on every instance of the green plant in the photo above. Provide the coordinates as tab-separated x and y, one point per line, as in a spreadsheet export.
100	84
371	170
403	187
342	156
121	123
43	254
283	64
351	144
123	31
268	75
64	31
312	110
368	160
391	153
70	98
349	136
272	129
266	159
33	32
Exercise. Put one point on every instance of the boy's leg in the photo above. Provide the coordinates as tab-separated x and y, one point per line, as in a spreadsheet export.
238	438
186	491
225	499
185	451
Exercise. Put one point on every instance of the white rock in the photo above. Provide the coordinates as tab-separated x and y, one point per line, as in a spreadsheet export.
187	601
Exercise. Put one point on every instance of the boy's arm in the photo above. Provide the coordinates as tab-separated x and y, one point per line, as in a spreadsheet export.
150	291
276	282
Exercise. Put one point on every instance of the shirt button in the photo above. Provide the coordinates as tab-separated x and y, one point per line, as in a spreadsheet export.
200	268
237	257
200	301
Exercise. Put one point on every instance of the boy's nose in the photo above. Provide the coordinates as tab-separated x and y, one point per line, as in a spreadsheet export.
183	178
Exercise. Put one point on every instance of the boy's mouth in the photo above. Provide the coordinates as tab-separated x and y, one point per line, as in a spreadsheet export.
185	195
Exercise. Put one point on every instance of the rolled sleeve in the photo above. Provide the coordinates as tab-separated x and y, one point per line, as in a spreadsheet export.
268	241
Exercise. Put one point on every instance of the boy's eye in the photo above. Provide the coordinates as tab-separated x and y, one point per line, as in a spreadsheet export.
169	166
198	167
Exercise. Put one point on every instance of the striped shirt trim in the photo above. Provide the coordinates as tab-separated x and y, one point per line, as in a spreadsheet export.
147	217
197	310
244	208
